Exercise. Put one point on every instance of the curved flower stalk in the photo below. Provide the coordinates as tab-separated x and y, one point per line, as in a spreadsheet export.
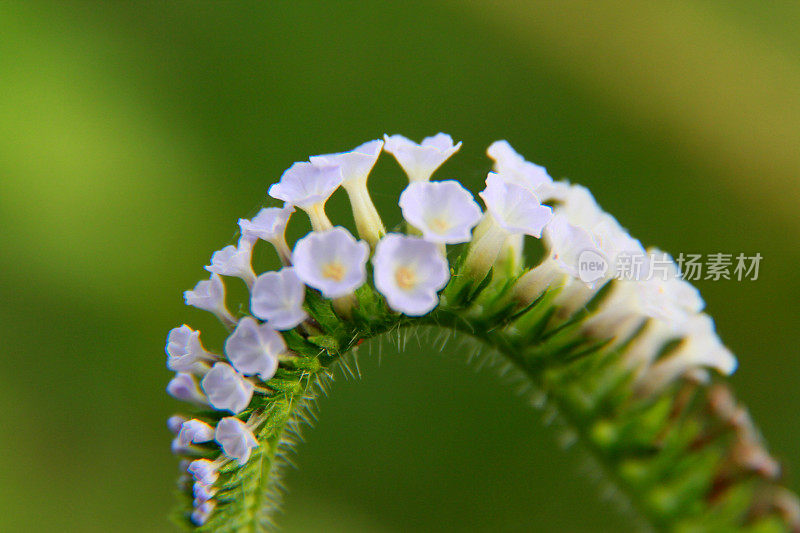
631	365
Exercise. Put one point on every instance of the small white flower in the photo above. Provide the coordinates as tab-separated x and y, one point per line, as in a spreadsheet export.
308	186
567	243
202	492
356	166
331	261
175	422
420	161
201	513
227	389
185	352
209	295
195	431
236	438
666	296
254	348
580	207
234	261
269	225
184	387
203	471
515	169
409	272
278	298
444	211
515	208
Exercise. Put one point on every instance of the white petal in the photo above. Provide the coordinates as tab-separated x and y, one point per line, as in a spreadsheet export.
254	348
203	471
185	352
278	298
209	295
515	169
227	389
183	387
420	161
236	439
409	272
515	208
306	184
195	431
444	211
331	261
269	224
355	164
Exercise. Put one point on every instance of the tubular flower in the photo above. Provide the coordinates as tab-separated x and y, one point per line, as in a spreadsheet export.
590	323
420	161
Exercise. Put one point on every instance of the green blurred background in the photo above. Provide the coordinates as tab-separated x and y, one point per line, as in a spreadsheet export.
134	134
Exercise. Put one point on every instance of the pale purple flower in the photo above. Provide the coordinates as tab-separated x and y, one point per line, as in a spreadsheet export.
236	439
278	298
420	161
195	431
269	225
185	352
444	211
308	186
254	348
234	261
201	513
331	261
515	209
227	389
203	471
209	295
175	422
409	272
184	387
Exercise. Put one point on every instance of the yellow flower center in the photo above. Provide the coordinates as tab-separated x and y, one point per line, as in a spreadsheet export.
334	270
440	225
405	277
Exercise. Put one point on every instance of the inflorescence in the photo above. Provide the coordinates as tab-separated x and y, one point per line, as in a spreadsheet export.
410	270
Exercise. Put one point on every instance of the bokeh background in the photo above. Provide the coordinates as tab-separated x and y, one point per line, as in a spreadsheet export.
134	134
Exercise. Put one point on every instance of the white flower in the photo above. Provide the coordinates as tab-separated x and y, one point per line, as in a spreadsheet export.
183	387
202	492
665	295
567	243
513	168
209	295
185	352
236	439
203	471
444	210
175	422
195	431
254	348
331	261
201	513
356	166
580	207
269	225
278	298
227	389
515	208
420	161
308	186
409	271
234	261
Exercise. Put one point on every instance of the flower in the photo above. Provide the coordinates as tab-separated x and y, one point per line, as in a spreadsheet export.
356	166
209	295
195	431
331	261
278	298
236	439
269	225
201	513
409	271
227	389
308	186
515	208
202	492
175	422
253	348
567	242
444	210
515	169
420	161
234	261
183	387
664	295
203	471
185	352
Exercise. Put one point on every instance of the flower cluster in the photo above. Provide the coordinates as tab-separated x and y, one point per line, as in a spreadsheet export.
409	271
